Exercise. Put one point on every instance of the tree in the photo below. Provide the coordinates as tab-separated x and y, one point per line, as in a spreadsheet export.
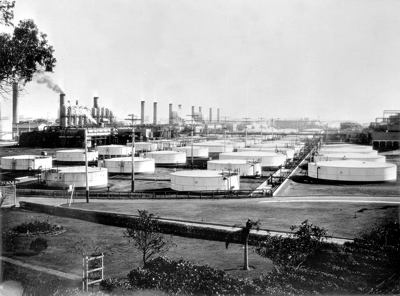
24	53
145	234
6	12
244	233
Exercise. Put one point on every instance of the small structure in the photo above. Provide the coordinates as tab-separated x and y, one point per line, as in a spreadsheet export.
202	180
26	162
352	171
66	176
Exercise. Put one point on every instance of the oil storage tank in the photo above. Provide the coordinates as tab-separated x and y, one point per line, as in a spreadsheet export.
110	151
289	152
76	156
198	152
167	157
123	165
349	156
66	176
26	162
145	146
268	160
352	171
202	180
239	166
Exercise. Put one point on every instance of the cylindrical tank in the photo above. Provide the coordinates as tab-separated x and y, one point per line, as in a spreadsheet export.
26	162
239	166
64	177
216	147
201	180
349	156
76	155
345	146
109	151
267	159
124	165
167	157
289	152
145	146
200	152
352	171
347	150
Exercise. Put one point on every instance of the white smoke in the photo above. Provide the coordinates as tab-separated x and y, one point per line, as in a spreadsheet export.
81	110
45	79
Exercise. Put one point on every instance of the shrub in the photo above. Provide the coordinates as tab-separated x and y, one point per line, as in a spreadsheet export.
38	245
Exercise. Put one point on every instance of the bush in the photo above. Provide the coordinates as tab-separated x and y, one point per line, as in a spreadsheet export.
38	245
183	277
43	226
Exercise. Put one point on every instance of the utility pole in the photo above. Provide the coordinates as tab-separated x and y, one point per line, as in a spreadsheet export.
192	130
261	119
133	151
245	139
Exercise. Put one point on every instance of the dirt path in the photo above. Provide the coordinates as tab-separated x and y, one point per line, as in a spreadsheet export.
61	274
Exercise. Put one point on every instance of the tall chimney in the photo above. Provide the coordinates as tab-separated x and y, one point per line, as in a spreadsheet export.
62	116
96	102
218	115
77	103
142	114
193	112
155	113
210	119
199	109
15	103
171	120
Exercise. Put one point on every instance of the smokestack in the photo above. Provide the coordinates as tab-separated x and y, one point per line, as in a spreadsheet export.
171	121
218	115
15	103
210	119
96	102
77	102
199	109
62	103
192	111
155	113
142	114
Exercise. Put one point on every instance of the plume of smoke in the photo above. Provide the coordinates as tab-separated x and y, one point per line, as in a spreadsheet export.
44	79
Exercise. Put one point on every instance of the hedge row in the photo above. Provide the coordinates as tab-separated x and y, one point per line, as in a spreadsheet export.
121	220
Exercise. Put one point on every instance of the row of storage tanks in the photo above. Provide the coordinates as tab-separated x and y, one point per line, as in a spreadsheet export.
117	159
351	163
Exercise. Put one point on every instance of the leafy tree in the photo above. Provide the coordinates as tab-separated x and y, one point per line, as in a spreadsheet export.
244	233
146	236
24	53
6	12
294	250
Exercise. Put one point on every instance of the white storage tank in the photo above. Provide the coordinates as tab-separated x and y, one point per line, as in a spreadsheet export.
202	180
267	159
346	150
123	165
66	176
350	146
352	171
76	155
144	146
26	162
289	152
349	156
167	157
239	166
216	147
279	145
198	152
110	151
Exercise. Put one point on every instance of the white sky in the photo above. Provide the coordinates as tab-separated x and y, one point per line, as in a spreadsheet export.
283	59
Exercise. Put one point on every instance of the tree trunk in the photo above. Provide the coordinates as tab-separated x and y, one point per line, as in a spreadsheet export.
246	254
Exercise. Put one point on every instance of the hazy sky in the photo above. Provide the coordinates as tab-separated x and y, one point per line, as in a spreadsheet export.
283	59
